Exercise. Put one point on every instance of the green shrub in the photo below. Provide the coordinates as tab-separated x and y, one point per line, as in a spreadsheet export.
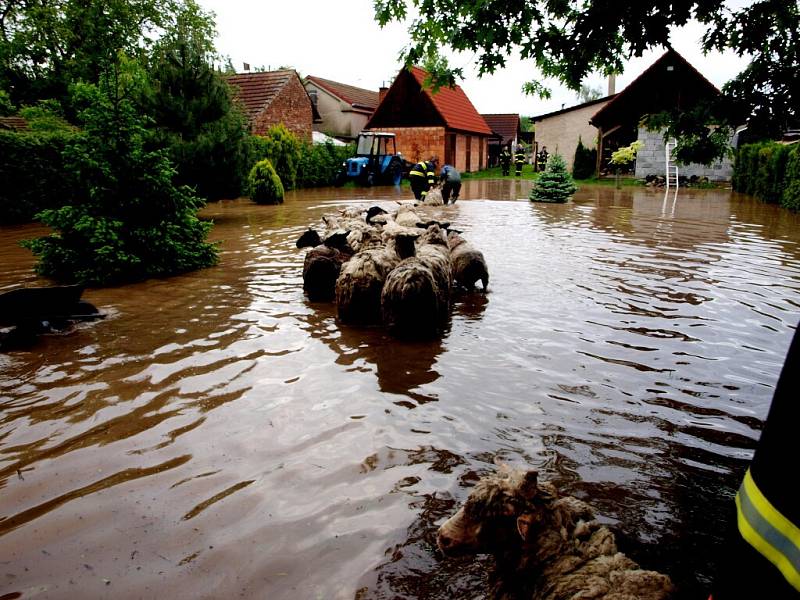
555	184
265	185
283	150
585	164
791	191
32	174
127	219
767	171
320	164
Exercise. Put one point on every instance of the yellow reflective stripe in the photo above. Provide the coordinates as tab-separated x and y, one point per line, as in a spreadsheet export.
416	173
768	531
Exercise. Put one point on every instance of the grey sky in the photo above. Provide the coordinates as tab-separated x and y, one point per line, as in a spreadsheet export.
341	41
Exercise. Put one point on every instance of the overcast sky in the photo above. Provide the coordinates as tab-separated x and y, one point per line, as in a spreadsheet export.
343	42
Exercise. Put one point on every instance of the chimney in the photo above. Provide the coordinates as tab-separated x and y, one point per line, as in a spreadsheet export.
382	93
612	84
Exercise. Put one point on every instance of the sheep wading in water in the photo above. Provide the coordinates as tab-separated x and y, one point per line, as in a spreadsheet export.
469	266
415	299
546	546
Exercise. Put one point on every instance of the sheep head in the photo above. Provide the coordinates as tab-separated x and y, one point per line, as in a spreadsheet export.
309	239
500	512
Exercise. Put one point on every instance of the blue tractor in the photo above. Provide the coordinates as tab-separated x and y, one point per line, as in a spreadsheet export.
376	162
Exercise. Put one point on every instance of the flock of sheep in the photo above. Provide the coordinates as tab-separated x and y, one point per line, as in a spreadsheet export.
400	270
397	269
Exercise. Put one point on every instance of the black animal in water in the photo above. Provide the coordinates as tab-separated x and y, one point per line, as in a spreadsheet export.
25	313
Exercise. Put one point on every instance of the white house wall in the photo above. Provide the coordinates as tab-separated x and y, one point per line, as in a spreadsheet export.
338	117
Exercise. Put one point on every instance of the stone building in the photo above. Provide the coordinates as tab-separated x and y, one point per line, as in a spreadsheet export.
443	123
344	109
274	97
669	83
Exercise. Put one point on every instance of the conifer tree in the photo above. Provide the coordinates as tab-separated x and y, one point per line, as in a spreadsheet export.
555	184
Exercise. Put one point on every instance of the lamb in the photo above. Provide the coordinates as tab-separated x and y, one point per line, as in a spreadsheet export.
547	547
469	266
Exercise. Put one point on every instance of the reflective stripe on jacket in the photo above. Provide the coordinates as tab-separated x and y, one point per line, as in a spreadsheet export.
420	169
763	526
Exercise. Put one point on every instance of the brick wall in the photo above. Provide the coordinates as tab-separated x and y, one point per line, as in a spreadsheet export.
420	143
292	107
650	160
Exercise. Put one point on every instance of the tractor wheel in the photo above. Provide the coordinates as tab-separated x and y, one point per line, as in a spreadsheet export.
370	180
340	179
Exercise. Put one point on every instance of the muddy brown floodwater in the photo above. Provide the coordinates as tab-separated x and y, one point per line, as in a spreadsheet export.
218	436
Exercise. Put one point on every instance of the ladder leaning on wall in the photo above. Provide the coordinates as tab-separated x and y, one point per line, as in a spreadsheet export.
671	166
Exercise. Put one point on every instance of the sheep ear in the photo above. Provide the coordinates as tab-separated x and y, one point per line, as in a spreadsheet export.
524	523
528	488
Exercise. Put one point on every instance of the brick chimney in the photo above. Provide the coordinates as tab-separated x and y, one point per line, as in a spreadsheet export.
612	84
382	93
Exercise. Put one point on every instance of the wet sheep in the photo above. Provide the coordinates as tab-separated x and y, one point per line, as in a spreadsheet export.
469	265
546	547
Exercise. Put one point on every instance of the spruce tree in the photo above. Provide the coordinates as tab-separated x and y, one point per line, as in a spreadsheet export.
555	184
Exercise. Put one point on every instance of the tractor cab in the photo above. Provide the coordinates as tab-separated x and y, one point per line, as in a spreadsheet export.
376	161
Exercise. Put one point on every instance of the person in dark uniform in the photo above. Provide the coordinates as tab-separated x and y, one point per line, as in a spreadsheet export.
541	159
519	160
761	557
505	161
422	177
451	183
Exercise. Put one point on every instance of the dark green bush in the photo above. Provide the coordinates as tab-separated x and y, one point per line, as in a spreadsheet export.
555	184
283	150
32	174
321	163
791	190
127	219
766	171
265	185
585	161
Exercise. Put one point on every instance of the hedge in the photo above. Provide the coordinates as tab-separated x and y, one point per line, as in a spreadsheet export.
769	171
32	174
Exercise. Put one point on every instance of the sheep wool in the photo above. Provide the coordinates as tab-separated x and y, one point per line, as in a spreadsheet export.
410	301
321	269
359	285
469	265
546	547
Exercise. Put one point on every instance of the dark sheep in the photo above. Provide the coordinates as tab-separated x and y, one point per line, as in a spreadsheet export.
309	239
321	269
546	546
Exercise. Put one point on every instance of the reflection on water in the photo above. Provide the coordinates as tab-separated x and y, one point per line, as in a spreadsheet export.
220	435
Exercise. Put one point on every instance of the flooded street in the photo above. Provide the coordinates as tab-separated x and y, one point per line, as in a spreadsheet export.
219	436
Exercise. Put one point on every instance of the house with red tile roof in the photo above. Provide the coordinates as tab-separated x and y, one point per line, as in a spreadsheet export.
344	109
427	123
274	97
508	128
